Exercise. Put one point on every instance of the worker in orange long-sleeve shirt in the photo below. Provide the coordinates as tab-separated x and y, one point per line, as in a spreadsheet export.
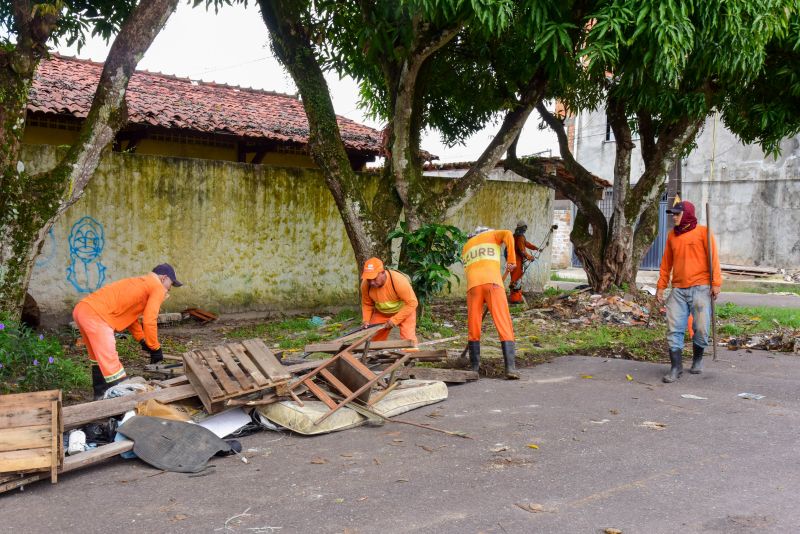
483	262
521	247
387	298
686	260
117	307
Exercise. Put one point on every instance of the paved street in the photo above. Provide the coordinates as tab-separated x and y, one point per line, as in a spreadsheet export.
719	465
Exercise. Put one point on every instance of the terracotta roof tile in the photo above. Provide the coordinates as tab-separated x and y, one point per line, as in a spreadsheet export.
66	86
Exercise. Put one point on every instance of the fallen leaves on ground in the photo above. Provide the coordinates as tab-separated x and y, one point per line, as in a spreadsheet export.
653	425
533	507
319	460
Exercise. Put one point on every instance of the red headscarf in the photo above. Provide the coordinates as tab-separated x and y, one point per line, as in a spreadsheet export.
688	220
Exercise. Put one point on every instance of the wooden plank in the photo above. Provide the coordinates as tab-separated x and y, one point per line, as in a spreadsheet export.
358	366
266	361
13	461
227	358
357	334
26	437
18	481
28	399
220	373
12	416
193	365
83	459
247	363
54	449
335	382
335	346
444	375
320	394
80	414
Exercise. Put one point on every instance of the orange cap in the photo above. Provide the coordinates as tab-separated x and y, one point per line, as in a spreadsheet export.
372	268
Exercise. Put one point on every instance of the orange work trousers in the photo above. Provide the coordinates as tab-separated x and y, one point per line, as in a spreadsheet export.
98	336
408	328
494	296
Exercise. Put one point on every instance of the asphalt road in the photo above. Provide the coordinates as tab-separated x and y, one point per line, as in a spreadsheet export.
718	465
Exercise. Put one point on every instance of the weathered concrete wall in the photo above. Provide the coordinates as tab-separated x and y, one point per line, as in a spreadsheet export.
242	237
562	246
595	153
754	199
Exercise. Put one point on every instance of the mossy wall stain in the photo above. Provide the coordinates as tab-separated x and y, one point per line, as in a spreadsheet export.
241	237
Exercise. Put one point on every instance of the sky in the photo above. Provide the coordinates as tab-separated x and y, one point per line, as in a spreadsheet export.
232	47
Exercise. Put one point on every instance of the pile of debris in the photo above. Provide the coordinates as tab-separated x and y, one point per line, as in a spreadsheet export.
179	423
584	308
792	277
780	340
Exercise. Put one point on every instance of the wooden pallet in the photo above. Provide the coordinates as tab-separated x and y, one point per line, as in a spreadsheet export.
233	370
201	315
31	433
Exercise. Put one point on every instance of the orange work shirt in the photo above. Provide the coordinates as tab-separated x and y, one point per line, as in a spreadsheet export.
686	257
520	244
483	259
395	297
121	303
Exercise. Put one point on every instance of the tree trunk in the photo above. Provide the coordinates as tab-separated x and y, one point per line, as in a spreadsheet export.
367	223
31	204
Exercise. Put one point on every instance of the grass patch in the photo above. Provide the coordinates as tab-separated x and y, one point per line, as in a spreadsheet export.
555	277
637	343
771	288
427	325
739	320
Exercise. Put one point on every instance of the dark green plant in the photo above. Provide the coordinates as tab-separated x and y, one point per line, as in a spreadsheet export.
34	362
427	254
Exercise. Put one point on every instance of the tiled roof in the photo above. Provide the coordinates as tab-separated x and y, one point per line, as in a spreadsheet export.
66	86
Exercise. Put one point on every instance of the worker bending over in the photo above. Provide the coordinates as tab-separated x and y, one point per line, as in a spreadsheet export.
117	307
482	259
521	246
387	298
686	260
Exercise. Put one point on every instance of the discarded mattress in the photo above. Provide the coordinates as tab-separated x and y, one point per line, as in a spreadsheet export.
409	395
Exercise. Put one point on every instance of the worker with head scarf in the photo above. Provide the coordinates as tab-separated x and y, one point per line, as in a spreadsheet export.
521	247
686	262
482	257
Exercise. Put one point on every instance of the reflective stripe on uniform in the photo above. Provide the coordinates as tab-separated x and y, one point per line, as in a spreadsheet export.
390	307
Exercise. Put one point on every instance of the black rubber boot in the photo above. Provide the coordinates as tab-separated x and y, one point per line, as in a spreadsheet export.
474	354
98	382
676	366
509	356
697	360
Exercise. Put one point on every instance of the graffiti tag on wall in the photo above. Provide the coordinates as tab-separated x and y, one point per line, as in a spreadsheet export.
86	242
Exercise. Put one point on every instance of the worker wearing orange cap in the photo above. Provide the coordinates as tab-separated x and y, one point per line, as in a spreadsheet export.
387	298
117	307
483	266
521	246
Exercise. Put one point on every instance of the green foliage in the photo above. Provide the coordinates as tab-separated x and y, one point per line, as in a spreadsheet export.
427	253
33	362
427	325
757	319
78	18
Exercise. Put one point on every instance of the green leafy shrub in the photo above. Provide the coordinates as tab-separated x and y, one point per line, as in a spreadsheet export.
34	362
426	255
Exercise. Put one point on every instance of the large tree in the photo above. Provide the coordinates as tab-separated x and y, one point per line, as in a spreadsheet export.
30	203
658	68
421	64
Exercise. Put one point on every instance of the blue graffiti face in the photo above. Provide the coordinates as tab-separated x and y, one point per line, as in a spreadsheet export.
86	239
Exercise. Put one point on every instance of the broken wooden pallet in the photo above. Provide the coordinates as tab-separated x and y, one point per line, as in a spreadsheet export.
31	433
232	370
338	346
457	376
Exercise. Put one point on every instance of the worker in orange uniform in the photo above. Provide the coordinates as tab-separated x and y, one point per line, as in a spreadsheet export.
117	307
483	266
686	261
521	247
387	298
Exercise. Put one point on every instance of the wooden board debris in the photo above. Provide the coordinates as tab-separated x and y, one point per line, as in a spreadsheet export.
31	433
458	376
201	315
337	346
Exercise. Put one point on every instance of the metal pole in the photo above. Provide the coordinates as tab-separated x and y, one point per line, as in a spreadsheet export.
711	283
